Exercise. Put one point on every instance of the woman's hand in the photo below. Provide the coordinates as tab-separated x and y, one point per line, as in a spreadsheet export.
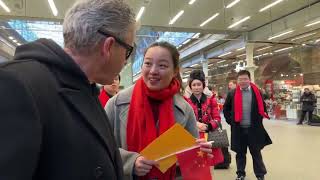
202	127
205	147
142	166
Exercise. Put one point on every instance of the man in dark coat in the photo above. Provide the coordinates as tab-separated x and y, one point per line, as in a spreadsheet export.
52	126
244	110
309	102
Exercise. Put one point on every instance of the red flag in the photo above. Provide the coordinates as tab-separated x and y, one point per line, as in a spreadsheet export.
194	165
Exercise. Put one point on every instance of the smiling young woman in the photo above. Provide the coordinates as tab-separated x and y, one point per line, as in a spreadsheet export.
144	111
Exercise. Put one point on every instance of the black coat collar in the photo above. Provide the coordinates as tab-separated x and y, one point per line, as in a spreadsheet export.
195	100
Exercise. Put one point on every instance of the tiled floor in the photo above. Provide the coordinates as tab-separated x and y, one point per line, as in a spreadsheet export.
294	154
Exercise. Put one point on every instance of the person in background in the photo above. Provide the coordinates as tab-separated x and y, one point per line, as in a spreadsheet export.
52	124
108	91
141	113
205	109
264	93
244	111
213	91
232	85
308	101
188	92
220	102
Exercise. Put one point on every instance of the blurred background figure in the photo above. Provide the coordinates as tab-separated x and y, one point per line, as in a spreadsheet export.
309	102
108	91
232	85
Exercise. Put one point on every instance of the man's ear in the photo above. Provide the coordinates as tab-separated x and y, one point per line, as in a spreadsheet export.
106	48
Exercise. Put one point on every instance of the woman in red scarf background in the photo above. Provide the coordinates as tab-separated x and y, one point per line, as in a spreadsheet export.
205	109
143	112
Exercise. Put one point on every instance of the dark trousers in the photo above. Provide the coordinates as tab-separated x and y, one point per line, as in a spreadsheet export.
303	115
258	165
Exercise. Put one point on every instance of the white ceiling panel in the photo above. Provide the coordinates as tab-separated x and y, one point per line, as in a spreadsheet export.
159	12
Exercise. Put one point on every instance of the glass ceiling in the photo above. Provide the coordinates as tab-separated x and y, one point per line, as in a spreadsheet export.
145	37
33	30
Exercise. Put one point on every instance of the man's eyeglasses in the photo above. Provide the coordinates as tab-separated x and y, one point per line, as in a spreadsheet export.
129	48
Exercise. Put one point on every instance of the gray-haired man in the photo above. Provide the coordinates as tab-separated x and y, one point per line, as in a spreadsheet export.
52	125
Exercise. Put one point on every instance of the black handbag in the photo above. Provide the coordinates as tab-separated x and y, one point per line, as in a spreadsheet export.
218	136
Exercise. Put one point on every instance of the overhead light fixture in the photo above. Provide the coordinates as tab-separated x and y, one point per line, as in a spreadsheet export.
239	22
191	2
185	42
270	5
53	7
303	36
313	23
232	3
318	40
241	55
241	49
10	37
257	56
175	18
209	19
140	13
284	49
225	54
210	65
195	36
193	65
18	44
264	48
15	41
4	6
221	61
281	34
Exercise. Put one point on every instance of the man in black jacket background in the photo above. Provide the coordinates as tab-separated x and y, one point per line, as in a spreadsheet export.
309	102
52	126
247	131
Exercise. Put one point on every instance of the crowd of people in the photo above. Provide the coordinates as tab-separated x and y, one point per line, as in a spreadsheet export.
55	124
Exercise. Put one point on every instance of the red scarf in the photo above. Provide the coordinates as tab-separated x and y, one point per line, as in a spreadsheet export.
103	97
238	103
141	127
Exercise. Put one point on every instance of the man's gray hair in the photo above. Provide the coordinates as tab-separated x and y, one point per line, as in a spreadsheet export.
85	17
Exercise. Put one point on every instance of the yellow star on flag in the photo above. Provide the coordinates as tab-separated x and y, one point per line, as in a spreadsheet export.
200	153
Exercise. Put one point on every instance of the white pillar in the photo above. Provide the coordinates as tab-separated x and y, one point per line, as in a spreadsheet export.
249	58
204	63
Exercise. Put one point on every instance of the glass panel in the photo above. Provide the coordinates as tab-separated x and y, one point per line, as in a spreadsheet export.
33	30
145	37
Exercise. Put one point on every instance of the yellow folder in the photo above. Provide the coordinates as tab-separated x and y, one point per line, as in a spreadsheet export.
173	140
